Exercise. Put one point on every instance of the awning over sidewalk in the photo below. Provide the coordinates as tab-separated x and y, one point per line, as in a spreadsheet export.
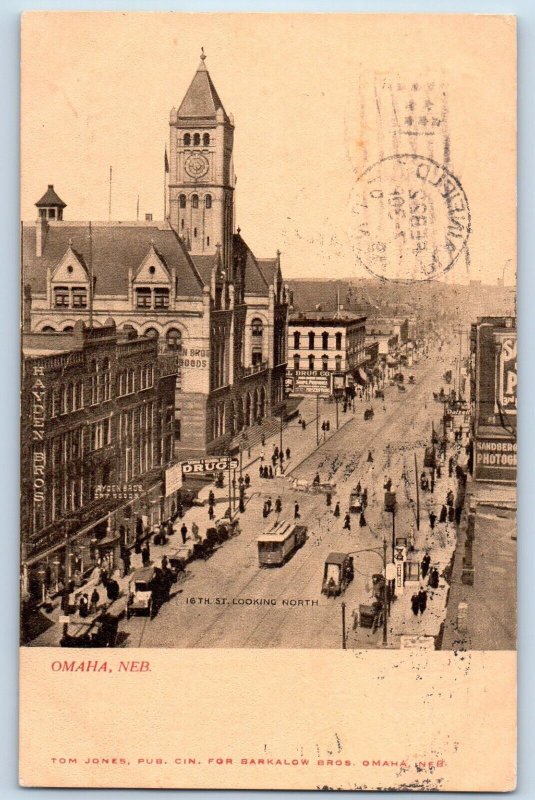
361	376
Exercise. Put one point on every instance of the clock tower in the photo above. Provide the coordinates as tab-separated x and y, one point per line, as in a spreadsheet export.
201	175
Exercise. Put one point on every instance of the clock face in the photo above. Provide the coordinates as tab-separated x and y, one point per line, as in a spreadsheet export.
196	165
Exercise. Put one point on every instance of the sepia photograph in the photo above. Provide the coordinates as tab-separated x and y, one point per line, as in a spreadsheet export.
268	340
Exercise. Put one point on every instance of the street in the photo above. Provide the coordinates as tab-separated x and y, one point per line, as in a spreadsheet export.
229	601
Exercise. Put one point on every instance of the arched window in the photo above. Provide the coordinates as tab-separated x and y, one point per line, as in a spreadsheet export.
325	363
296	362
257	328
182	201
68	329
152	333
174	339
311	339
338	341
196	139
195	201
206	139
208	201
325	340
297	339
48	329
187	139
311	362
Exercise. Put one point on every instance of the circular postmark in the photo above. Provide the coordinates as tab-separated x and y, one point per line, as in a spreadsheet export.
413	218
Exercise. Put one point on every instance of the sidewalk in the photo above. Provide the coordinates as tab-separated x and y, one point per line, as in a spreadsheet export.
301	444
440	543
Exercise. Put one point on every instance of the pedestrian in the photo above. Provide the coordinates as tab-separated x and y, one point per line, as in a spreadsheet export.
370	457
422	600
103	579
458	514
145	555
316	480
261	471
241	505
433	578
359	488
296	511
275	451
273	459
211	498
347	522
263	440
450	498
126	562
271	472
211	514
112	590
443	514
184	532
439	471
180	510
288	453
265	511
262	455
95	599
426	560
165	562
138	544
415	604
328	498
362	520
170	529
247	480
83	605
432	519
451	514
336	511
364	498
281	458
278	505
450	467
304	425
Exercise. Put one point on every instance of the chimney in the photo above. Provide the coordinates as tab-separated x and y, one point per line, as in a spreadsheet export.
41	227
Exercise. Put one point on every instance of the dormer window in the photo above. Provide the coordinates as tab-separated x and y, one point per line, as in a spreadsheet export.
79	297
61	297
161	298
143	297
51	213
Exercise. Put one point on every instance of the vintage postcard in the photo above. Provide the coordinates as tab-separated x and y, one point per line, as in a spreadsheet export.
268	401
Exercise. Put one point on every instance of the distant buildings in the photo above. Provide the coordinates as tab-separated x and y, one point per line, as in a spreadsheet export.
97	432
326	351
493	367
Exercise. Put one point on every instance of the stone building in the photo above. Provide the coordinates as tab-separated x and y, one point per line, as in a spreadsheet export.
190	281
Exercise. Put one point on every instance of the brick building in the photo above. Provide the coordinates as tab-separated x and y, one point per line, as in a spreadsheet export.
97	430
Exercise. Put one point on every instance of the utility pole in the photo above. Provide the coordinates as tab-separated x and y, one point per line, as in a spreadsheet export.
417	493
343	626
280	443
460	333
229	492
385	629
336	412
317	420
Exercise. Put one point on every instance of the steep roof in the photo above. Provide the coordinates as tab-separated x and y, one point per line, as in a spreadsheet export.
115	248
50	198
201	101
269	268
255	282
204	265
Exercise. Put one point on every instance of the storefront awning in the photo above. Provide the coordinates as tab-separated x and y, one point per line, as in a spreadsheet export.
361	377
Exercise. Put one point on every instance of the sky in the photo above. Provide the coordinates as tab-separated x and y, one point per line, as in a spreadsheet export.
97	89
